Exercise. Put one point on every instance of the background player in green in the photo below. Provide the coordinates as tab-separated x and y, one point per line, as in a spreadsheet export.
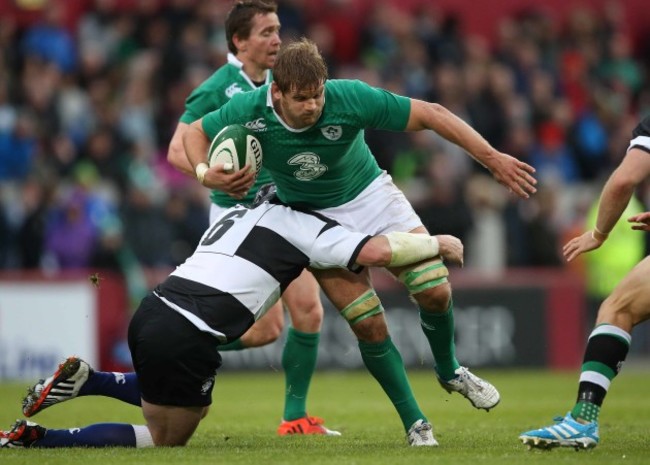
252	31
627	305
312	133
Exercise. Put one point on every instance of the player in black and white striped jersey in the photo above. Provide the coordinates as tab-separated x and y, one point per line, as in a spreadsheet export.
242	264
247	258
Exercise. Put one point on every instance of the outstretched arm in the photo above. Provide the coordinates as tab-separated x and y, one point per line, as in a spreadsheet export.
398	249
508	171
616	195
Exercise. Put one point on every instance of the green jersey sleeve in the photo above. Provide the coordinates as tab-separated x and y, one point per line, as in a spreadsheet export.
229	113
376	108
202	100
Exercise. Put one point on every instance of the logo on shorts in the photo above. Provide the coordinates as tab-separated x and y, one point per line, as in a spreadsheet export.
119	378
207	385
332	132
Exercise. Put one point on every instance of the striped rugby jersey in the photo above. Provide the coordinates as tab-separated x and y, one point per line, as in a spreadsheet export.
247	258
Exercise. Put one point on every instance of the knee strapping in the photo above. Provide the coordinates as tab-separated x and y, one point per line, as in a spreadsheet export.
363	307
424	276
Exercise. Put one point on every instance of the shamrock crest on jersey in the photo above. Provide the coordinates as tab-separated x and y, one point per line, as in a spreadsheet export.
332	132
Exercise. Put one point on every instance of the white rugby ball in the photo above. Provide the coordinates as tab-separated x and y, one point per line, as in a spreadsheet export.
235	146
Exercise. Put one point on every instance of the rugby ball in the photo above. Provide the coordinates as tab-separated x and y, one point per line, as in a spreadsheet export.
235	146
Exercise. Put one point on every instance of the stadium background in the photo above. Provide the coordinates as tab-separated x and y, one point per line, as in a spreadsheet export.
90	93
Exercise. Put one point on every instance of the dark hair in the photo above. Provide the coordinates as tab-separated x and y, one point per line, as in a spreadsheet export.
299	65
239	21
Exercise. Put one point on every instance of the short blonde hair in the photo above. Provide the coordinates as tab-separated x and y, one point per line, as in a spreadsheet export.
299	65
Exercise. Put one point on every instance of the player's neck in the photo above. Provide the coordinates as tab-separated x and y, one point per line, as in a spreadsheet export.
254	72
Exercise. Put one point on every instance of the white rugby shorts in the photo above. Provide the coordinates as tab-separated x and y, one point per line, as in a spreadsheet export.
379	209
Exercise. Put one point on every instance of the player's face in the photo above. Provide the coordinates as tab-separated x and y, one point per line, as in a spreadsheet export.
261	47
300	108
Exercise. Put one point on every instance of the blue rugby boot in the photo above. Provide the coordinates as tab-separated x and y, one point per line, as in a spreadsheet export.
566	432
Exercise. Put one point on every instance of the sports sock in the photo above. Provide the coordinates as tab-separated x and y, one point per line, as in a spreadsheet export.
299	362
97	435
121	386
439	331
606	351
237	344
385	364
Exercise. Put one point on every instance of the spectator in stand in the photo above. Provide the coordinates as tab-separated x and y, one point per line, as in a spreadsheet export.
70	235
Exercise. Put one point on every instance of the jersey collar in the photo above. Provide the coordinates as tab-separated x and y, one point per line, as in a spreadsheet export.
236	62
269	103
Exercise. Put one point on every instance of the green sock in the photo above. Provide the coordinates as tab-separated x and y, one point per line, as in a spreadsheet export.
385	364
233	345
607	348
586	411
299	362
439	330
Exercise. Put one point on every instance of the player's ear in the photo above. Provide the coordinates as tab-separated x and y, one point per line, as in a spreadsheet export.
240	43
276	93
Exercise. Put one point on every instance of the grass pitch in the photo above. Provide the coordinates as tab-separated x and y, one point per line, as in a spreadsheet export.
240	428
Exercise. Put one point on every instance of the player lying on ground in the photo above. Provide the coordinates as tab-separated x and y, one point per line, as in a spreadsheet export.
627	306
242	264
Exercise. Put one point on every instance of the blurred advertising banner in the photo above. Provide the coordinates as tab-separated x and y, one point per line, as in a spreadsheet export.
527	319
46	319
522	319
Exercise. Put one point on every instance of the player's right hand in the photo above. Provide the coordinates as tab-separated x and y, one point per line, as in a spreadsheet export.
450	248
514	174
641	222
235	184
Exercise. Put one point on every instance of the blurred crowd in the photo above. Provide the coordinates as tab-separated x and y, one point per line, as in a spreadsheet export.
91	91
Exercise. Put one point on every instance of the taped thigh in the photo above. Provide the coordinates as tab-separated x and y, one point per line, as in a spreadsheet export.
424	275
364	306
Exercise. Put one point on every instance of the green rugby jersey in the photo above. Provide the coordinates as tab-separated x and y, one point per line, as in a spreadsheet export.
211	95
329	163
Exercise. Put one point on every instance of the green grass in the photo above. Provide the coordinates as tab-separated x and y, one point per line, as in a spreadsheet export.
240	428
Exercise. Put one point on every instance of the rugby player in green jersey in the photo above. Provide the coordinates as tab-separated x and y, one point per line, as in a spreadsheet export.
312	133
252	31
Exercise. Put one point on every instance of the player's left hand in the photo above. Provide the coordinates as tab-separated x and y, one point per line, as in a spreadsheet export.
640	222
450	248
579	245
513	174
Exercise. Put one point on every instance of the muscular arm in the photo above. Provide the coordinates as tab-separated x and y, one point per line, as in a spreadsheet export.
616	195
397	249
195	144
620	186
176	152
508	171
